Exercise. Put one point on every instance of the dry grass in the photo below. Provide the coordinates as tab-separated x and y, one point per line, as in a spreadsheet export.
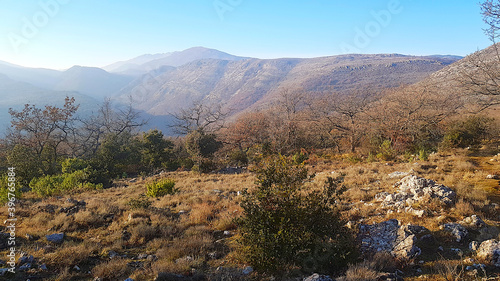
114	269
210	203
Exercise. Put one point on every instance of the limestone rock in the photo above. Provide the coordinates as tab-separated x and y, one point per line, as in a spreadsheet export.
473	221
55	238
457	230
490	251
317	277
390	237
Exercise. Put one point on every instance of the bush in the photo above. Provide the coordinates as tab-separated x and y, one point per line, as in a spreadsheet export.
386	152
283	225
58	184
160	188
470	132
142	202
5	190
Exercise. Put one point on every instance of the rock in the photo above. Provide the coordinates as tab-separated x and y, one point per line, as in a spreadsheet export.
227	233
247	270
397	175
29	237
151	258
55	238
185	259
24	267
76	267
42	267
456	230
142	256
317	277
26	259
473	246
493	177
413	189
490	250
3	271
390	237
473	221
113	254
129	279
132	180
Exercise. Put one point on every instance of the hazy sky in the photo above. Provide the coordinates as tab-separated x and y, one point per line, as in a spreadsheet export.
62	33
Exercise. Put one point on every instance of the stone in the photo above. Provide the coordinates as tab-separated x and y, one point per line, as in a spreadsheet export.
490	250
317	277
26	259
55	238
390	237
473	246
24	267
456	230
473	221
397	174
493	177
76	267
42	267
413	189
3	271
247	270
142	256
113	254
129	279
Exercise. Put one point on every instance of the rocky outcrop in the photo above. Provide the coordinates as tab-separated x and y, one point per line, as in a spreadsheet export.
413	189
391	237
457	230
473	222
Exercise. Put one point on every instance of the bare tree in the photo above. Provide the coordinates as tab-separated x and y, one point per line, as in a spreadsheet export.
480	75
344	115
203	117
108	120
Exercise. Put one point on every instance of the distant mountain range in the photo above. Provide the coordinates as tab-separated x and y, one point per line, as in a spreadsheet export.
163	83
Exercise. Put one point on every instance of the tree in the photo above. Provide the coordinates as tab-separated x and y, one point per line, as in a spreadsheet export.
344	115
284	225
410	117
107	121
202	117
43	135
480	75
155	150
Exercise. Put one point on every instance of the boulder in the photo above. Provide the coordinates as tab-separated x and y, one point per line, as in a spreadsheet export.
413	189
317	277
489	250
390	237
456	230
473	222
55	238
397	174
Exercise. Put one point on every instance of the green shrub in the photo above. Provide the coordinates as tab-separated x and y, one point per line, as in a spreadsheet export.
5	189
386	151
469	132
142	202
161	188
58	184
299	158
284	225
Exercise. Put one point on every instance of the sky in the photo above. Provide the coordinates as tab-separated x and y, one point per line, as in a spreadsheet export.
58	34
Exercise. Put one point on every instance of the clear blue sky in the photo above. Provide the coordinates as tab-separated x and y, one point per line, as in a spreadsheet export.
100	32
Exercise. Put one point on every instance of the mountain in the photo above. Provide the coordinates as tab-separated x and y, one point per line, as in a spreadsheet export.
124	66
16	94
245	84
39	77
91	81
146	63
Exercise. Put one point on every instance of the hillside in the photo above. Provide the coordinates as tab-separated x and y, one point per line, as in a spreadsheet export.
146	63
250	83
